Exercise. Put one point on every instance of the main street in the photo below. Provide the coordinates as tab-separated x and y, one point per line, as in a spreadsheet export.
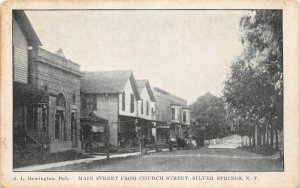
203	159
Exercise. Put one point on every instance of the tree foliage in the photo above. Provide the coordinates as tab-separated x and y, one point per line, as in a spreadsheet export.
209	111
254	90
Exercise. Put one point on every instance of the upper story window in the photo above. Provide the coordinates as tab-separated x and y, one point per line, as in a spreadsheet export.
184	116
147	107
123	101
89	102
175	112
60	101
131	103
142	107
74	97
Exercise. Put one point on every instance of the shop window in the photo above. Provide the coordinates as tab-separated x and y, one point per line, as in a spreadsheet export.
131	103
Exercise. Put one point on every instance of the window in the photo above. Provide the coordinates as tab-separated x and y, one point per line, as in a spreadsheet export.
36	117
123	101
131	103
73	128
142	107
147	107
89	102
57	125
60	128
60	101
173	113
184	117
74	97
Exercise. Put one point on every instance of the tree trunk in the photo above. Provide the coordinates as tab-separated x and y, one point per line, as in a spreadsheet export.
256	136
272	137
264	136
267	135
249	138
276	138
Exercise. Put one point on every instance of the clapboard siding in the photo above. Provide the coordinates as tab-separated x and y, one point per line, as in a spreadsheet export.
107	106
20	54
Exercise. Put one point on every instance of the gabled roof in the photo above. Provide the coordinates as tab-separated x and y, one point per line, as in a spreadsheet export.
145	83
175	99
26	27
106	82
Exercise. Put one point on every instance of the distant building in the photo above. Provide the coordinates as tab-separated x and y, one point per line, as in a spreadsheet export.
113	95
172	115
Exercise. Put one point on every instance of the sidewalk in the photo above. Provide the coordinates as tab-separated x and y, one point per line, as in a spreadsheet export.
64	163
87	160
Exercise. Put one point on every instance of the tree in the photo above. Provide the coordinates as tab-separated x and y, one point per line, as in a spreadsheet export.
254	90
209	111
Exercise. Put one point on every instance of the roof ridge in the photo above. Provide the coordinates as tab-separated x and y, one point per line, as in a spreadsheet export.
127	70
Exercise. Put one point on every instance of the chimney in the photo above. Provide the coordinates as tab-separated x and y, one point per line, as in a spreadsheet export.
60	53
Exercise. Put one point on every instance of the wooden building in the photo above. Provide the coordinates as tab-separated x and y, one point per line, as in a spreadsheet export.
172	115
146	112
113	95
46	103
24	94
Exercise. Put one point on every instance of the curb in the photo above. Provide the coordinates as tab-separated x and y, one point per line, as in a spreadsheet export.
87	160
65	163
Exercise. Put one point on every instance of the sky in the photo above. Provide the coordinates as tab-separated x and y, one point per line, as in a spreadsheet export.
185	52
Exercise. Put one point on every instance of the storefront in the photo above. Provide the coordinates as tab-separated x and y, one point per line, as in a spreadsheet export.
128	131
162	132
145	131
94	132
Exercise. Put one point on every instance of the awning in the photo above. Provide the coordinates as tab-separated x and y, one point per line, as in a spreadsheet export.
98	128
92	116
163	127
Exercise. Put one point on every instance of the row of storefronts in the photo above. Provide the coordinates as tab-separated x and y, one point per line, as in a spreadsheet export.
56	107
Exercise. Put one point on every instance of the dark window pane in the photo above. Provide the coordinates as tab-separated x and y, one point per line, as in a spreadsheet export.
123	101
131	103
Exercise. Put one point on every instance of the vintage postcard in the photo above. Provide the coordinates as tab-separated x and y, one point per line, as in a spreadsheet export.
150	94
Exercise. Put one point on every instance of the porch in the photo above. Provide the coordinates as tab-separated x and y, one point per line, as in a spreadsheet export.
30	122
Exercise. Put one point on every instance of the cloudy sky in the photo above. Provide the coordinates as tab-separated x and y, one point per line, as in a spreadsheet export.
186	52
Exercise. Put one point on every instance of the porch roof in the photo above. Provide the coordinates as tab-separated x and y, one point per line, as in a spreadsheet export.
26	88
90	115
